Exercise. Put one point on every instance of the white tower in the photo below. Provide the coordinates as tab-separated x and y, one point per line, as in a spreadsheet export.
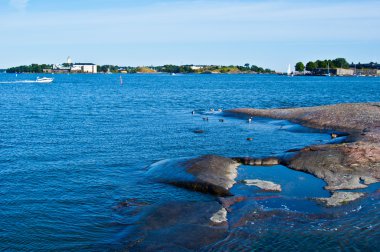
69	61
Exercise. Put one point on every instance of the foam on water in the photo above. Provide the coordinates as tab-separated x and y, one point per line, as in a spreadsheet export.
18	82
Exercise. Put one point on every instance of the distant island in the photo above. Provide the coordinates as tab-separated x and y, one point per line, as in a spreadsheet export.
70	67
336	67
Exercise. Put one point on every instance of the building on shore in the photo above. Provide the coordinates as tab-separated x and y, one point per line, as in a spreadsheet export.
57	69
366	69
195	68
343	72
371	65
84	68
69	67
346	72
367	72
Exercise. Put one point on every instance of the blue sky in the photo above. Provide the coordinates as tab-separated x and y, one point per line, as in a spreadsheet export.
266	33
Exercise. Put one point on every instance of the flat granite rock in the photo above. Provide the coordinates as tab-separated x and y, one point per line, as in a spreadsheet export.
219	217
264	185
340	198
351	165
342	166
208	174
343	117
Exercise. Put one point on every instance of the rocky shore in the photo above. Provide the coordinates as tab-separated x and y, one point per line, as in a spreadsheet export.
352	164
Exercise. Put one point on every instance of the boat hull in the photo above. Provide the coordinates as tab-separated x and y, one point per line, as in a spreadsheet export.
44	80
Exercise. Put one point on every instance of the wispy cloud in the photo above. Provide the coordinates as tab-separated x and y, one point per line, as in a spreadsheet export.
197	21
217	28
19	4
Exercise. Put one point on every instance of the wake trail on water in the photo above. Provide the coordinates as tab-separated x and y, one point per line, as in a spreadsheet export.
18	82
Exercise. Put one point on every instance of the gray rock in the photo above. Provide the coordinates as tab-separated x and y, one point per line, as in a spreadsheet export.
207	174
340	198
180	225
340	165
198	131
264	185
220	216
269	161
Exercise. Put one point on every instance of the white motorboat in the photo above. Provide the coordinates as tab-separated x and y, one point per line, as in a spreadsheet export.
44	80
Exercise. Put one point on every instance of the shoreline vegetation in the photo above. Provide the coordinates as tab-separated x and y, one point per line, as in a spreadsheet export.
336	67
181	69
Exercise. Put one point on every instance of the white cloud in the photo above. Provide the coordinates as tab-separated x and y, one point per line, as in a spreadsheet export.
199	22
19	4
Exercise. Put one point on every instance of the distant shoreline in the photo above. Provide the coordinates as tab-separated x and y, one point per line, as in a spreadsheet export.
165	73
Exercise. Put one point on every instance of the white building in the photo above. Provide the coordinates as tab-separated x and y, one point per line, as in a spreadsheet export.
196	67
84	68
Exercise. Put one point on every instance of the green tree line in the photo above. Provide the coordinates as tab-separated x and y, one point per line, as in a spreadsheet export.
33	68
186	69
312	65
246	68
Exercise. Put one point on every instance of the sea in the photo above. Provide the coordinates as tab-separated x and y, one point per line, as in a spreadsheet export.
75	156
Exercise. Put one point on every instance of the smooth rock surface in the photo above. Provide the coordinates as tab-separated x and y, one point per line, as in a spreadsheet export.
207	174
220	216
342	166
180	225
340	198
262	184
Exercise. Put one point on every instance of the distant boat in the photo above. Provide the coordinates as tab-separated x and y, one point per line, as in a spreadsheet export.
173	74
289	72
44	80
328	70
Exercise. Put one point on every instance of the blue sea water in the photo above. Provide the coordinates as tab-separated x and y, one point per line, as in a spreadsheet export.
74	156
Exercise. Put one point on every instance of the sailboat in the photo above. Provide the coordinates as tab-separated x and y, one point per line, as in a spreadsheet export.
289	71
328	70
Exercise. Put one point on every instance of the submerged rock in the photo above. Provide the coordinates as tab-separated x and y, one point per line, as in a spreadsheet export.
270	161
207	174
227	202
180	225
198	131
220	216
340	198
264	185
